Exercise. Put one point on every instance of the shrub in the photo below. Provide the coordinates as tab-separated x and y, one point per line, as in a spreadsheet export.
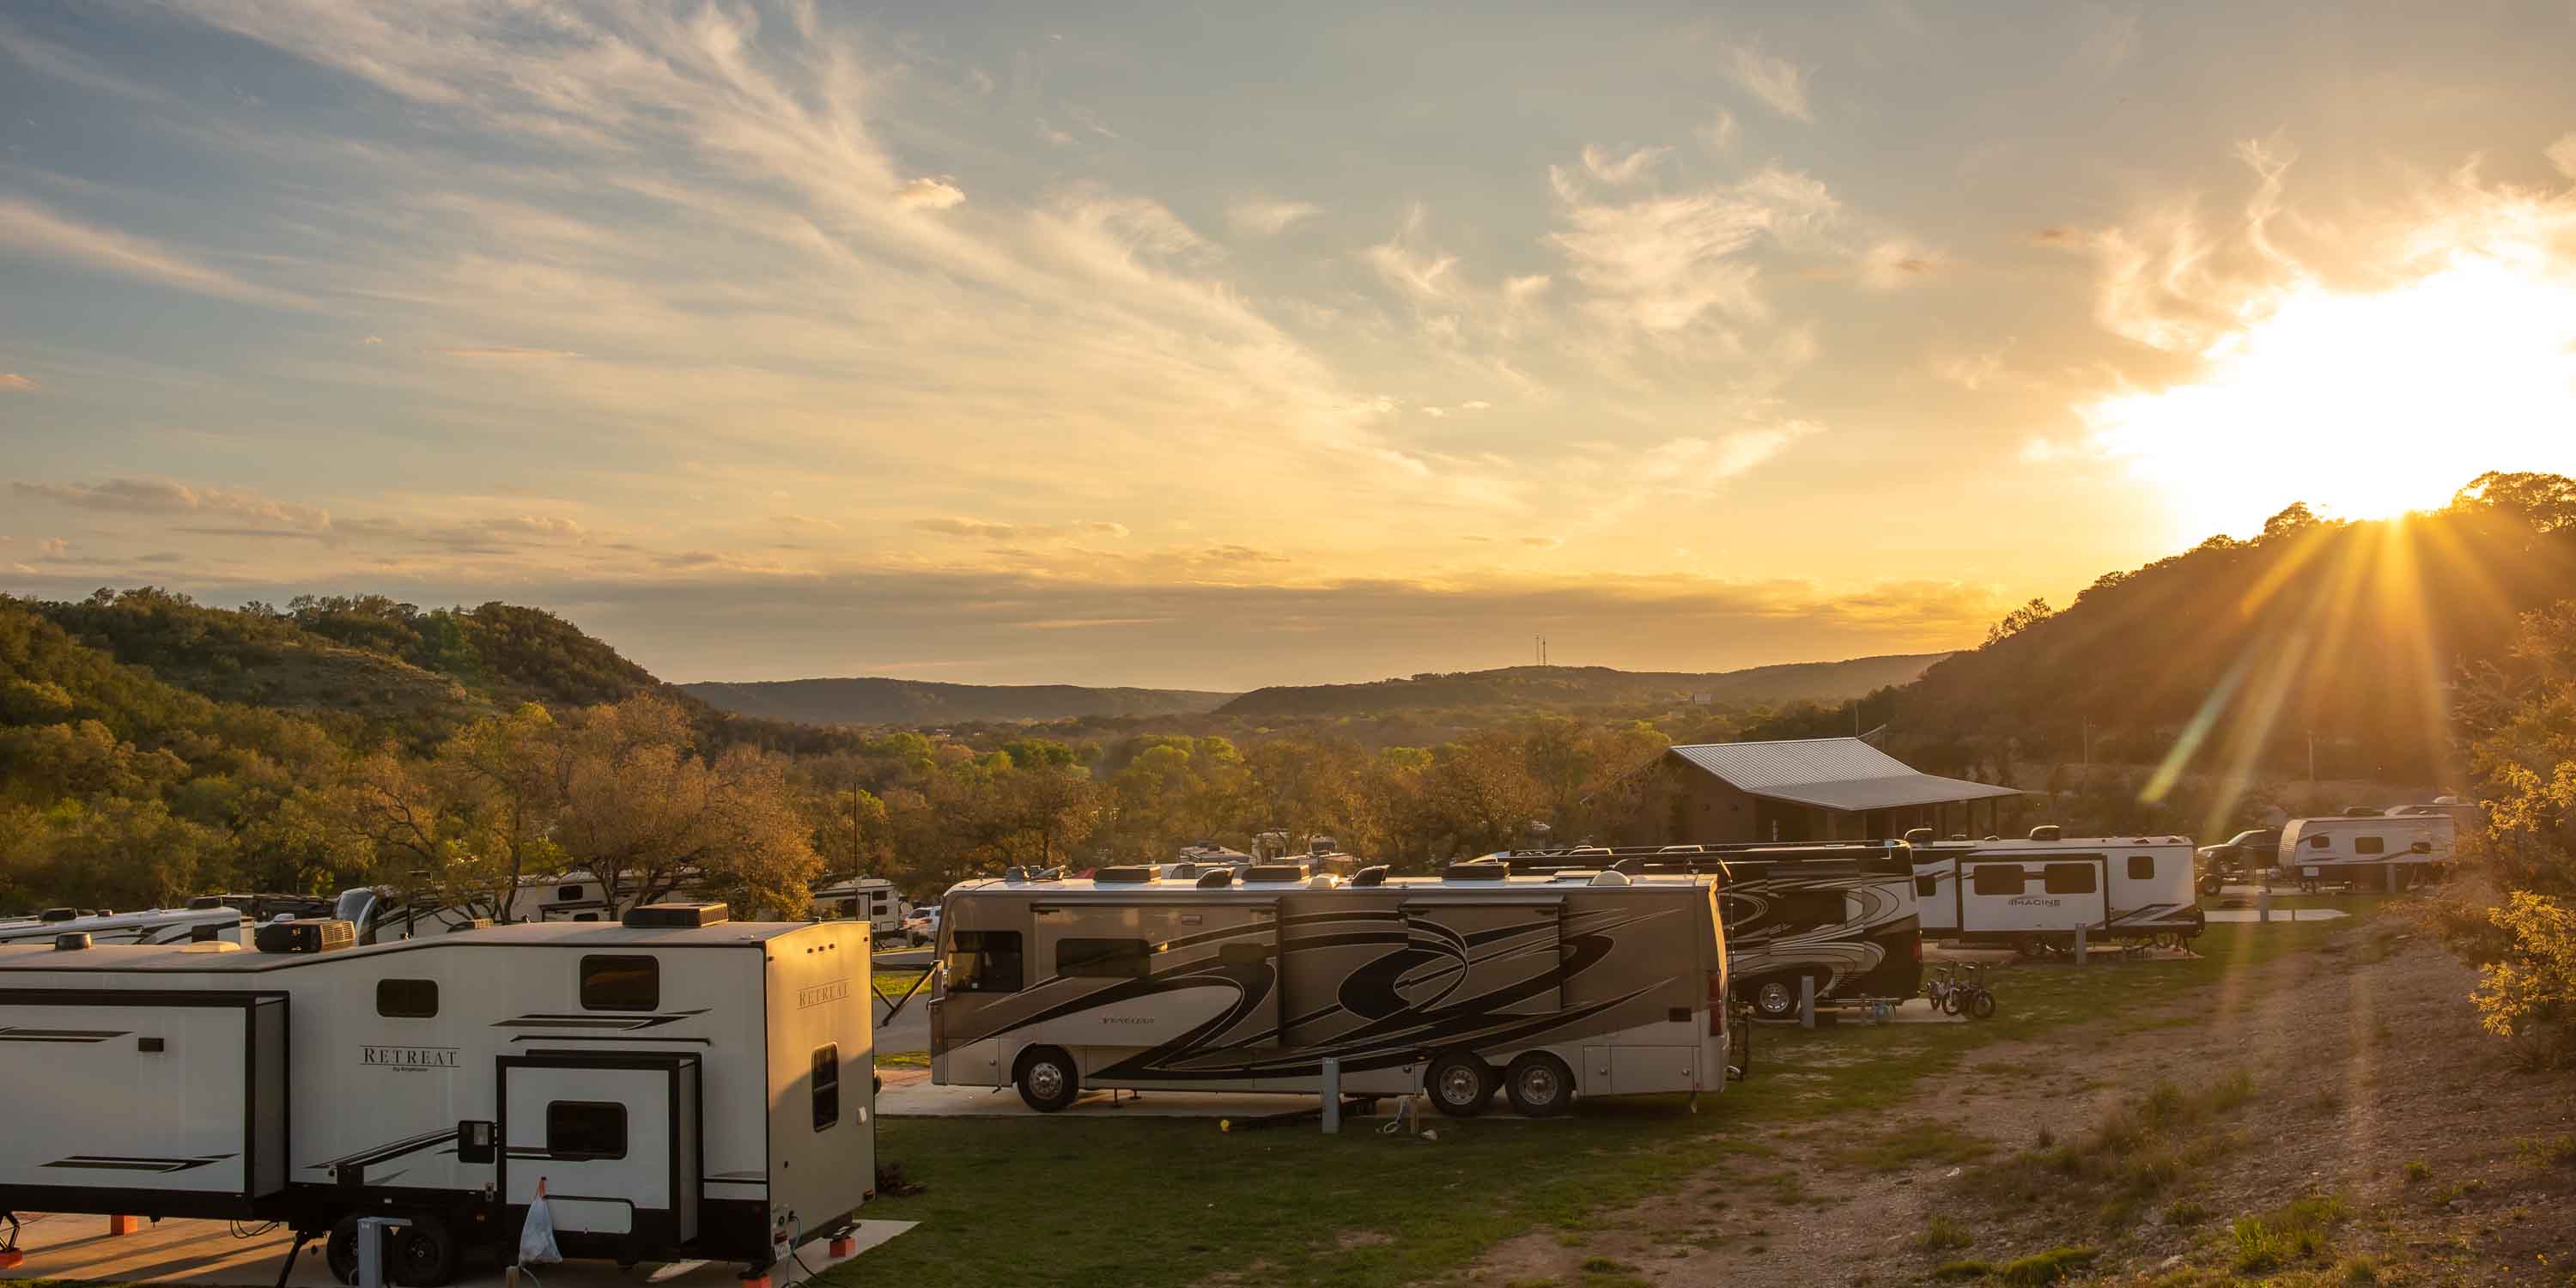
2418	1171
2296	1232
2531	994
2043	1268
1940	1234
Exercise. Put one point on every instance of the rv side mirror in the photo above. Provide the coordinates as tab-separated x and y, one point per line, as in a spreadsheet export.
475	1141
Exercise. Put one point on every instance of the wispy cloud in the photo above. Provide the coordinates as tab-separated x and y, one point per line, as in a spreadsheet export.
1268	218
1718	134
13	383
929	194
1776	82
1621	167
165	497
32	229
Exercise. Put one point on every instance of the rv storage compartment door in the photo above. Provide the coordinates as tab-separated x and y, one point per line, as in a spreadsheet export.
1484	958
615	1139
143	1092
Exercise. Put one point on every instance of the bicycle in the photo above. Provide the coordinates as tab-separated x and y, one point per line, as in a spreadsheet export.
1971	995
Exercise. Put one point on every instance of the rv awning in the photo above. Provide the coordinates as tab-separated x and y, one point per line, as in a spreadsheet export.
1833	773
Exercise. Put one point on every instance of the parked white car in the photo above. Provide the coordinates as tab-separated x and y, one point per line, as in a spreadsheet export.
922	927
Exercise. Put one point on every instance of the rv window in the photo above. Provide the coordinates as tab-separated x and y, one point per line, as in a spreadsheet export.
567	892
1243	954
2368	845
407	999
621	983
2067	878
849	907
1998	878
1808	909
1103	958
2142	867
585	1129
1927	886
827	1085
984	961
2318	842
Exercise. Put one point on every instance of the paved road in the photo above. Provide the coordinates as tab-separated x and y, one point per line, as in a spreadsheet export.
915	957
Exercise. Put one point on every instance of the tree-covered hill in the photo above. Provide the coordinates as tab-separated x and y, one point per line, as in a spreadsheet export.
1584	688
876	700
2228	658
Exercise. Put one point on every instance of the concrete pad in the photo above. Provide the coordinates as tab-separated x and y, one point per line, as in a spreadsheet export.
923	1100
205	1254
2278	914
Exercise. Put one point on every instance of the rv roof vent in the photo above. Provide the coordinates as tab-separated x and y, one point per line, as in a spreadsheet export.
479	923
1572	874
664	916
1125	873
71	941
2048	832
59	914
1609	878
1216	879
1918	836
1326	880
1681	849
306	935
212	946
1589	849
1372	875
1478	870
1015	874
1275	872
205	901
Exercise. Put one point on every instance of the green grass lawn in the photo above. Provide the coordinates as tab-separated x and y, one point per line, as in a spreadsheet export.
1146	1201
892	981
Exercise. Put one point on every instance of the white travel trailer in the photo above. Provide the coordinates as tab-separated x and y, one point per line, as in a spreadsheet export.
157	926
1580	983
682	1086
2368	851
869	899
2035	894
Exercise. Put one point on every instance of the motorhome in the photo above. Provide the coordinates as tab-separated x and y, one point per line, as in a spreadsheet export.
1840	913
869	899
1574	983
2036	893
2367	852
156	926
681	1086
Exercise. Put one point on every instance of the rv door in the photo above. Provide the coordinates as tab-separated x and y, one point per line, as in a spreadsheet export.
614	1139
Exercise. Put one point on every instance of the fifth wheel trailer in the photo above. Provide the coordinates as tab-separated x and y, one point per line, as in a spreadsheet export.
1578	983
683	1087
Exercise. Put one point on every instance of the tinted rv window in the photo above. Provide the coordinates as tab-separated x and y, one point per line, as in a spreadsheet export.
1243	954
1927	886
2067	878
585	1129
827	1085
2318	842
2368	845
984	961
1103	958
2142	867
1998	878
1808	909
621	983
407	999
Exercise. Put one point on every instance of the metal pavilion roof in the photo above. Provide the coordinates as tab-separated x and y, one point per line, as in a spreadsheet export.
1836	773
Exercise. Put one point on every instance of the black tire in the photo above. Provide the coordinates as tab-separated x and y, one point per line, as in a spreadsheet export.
1461	1085
424	1255
1047	1079
1951	1001
1540	1086
1981	1005
340	1250
1776	998
2030	947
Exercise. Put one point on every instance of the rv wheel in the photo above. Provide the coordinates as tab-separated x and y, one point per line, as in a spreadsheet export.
1540	1085
1461	1084
1776	999
1047	1080
340	1250
424	1255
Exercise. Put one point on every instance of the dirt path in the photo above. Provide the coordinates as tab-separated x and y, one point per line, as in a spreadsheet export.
2365	1058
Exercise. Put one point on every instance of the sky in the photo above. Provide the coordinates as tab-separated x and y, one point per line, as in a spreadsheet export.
1215	346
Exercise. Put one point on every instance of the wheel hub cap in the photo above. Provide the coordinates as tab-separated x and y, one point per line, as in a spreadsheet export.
1459	1085
1046	1080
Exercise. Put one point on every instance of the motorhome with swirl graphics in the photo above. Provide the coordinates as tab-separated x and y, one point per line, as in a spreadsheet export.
1573	983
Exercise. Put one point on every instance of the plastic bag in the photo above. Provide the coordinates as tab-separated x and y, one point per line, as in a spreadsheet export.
537	1234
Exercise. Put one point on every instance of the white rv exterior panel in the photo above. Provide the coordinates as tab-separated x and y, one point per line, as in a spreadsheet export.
167	1095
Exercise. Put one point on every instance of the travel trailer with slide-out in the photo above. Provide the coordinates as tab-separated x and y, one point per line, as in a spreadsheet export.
2367	851
2035	894
869	899
1548	987
1839	913
682	1086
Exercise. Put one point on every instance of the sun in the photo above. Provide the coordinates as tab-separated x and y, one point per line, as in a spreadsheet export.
2364	405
